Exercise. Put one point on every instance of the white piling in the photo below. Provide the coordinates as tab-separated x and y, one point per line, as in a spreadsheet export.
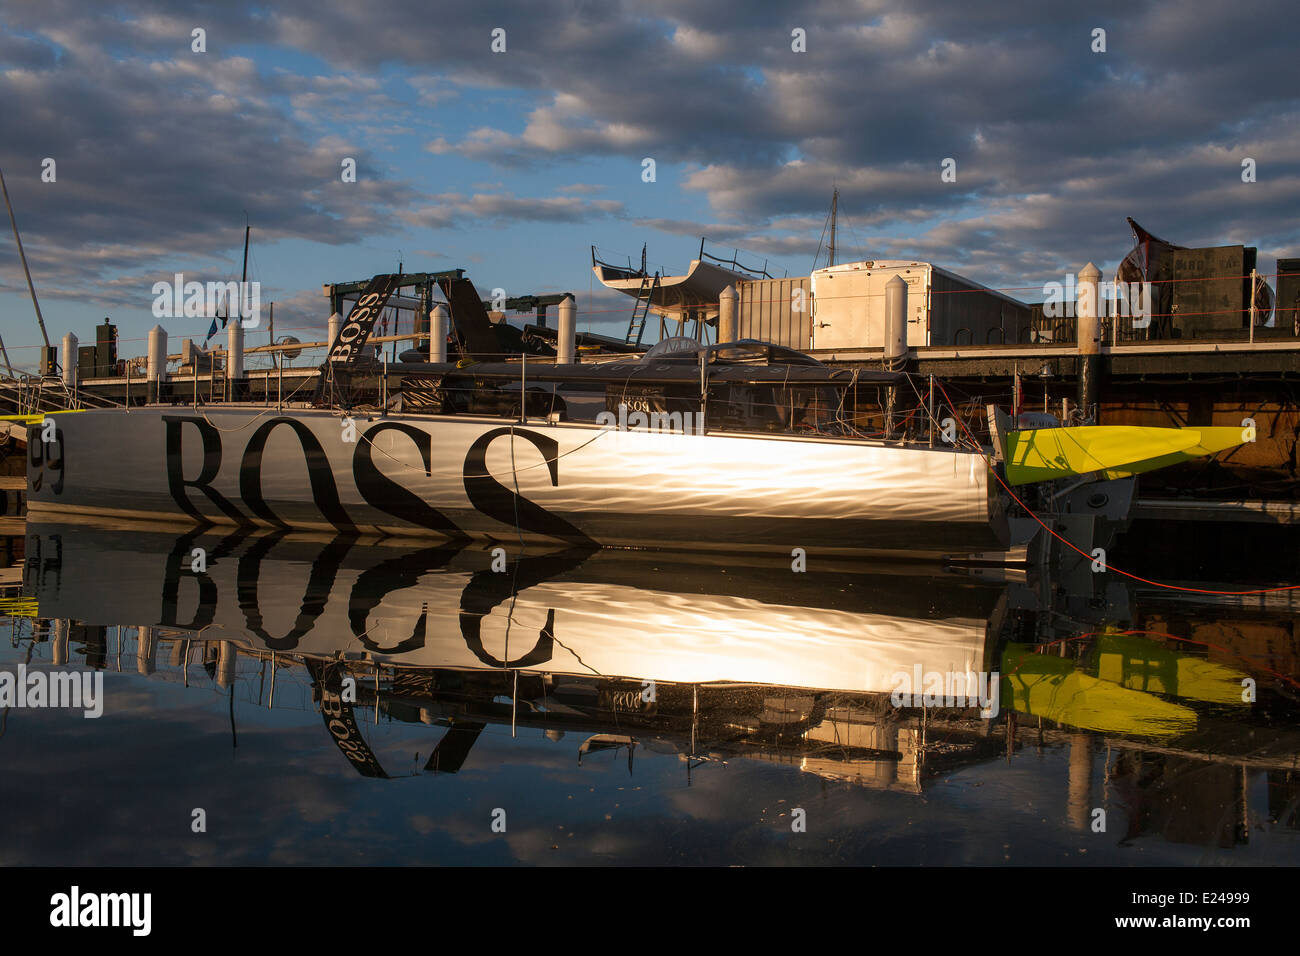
895	321
157	373
146	651
59	643
728	306
1088	342
226	657
439	320
235	350
69	358
333	327
567	332
1089	336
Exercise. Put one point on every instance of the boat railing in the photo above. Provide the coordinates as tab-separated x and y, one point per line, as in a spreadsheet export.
609	260
29	394
733	264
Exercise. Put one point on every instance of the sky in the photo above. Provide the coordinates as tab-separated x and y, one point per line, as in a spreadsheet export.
508	138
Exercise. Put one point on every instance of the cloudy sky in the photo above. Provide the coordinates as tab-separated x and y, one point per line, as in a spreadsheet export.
512	164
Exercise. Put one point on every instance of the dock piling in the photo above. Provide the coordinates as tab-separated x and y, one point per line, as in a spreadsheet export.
564	350
1088	338
439	318
157	374
234	356
69	358
728	308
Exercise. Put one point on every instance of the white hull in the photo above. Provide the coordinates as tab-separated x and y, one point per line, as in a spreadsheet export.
491	479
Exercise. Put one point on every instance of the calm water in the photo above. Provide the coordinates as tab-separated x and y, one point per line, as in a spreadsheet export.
348	701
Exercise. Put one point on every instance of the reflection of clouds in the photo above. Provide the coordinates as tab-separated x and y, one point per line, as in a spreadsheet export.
121	791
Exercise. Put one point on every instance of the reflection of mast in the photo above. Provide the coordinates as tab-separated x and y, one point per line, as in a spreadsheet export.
1080	786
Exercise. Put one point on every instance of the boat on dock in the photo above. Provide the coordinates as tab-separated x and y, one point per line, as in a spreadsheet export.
736	446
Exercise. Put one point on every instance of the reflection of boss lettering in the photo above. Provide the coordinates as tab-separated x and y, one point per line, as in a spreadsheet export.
343	737
332	706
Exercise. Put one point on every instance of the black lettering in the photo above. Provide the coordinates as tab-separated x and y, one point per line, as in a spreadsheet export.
376	582
176	482
327	685
319	475
497	501
488	589
324	570
41	570
177	564
388	496
39	460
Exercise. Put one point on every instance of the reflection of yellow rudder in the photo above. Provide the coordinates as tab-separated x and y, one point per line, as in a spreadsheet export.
1140	664
1117	451
1053	688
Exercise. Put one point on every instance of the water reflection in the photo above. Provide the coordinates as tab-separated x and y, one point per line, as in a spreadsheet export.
1174	718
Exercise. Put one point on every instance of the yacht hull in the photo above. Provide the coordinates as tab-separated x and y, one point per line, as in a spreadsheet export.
486	478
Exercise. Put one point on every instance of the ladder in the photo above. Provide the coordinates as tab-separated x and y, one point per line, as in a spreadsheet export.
641	309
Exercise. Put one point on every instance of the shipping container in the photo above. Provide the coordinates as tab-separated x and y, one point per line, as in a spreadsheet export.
943	308
776	310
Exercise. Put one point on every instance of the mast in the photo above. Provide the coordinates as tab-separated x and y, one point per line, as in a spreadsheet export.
243	278
23	256
835	203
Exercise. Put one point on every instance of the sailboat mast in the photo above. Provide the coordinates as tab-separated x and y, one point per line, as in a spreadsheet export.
23	256
243	278
835	203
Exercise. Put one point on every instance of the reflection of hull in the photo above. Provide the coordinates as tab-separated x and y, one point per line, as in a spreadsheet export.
564	612
486	478
605	650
